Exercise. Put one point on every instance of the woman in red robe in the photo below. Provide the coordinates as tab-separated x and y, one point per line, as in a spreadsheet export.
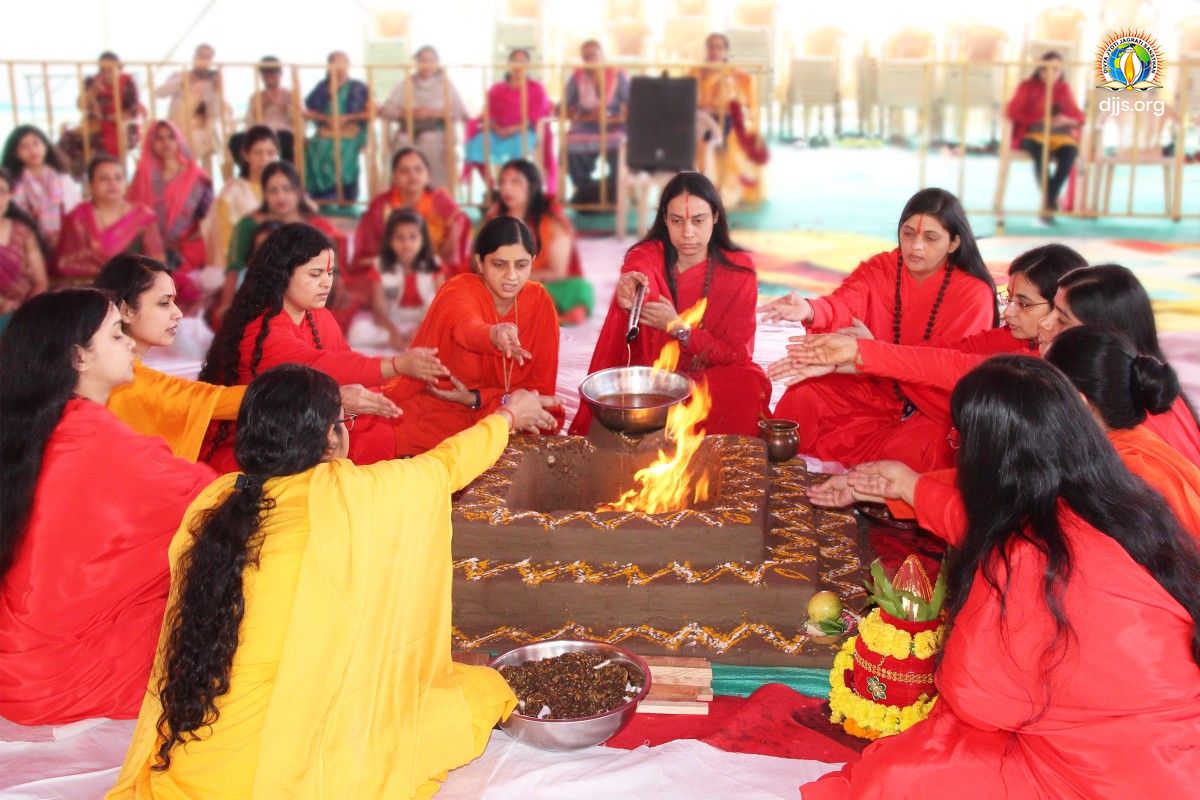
688	257
278	316
1108	295
932	291
495	330
87	509
1071	665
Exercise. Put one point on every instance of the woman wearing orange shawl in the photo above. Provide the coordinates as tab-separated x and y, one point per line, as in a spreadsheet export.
105	226
688	257
495	330
87	508
557	266
449	227
170	182
726	94
154	404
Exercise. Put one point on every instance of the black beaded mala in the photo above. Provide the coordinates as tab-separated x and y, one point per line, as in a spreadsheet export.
908	408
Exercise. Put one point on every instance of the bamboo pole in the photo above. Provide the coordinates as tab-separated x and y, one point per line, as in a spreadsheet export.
49	98
449	135
524	116
189	115
85	120
256	102
964	76
560	184
372	138
486	167
12	92
926	124
336	87
298	138
1046	117
221	116
603	160
409	111
122	145
1133	160
150	91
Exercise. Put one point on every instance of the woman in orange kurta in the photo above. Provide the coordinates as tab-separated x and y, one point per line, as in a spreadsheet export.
278	316
686	258
155	404
932	291
1071	665
87	508
495	330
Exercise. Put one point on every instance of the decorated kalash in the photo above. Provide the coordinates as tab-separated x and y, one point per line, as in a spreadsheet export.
882	678
649	534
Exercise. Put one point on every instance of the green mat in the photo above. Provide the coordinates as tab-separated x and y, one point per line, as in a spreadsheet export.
742	681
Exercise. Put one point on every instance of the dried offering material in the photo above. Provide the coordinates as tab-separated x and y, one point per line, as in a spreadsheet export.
570	686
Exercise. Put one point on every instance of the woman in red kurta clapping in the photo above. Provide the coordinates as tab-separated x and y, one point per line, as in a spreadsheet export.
687	257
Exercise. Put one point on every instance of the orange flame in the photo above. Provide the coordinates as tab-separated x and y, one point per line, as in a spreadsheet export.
667	485
668	357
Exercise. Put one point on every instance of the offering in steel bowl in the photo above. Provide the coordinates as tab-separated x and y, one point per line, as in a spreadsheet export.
633	399
575	733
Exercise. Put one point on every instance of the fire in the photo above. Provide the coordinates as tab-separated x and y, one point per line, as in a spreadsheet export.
668	357
667	485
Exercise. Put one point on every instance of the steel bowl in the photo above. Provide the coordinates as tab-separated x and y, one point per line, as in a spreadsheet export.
598	388
571	734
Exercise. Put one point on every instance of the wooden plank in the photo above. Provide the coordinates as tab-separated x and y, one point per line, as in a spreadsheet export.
668	707
474	659
676	661
660	691
682	676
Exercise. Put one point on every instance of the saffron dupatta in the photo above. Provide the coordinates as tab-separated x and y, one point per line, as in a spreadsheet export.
84	247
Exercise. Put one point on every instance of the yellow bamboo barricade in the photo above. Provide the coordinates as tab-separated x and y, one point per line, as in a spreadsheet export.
300	138
449	135
220	126
372	173
1183	75
85	106
334	87
12	92
49	98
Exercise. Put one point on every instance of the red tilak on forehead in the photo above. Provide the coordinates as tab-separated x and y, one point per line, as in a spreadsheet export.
687	210
329	263
920	223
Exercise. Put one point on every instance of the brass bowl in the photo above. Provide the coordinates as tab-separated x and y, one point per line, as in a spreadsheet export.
633	399
572	734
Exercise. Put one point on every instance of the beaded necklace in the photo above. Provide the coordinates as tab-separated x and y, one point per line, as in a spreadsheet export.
508	364
908	408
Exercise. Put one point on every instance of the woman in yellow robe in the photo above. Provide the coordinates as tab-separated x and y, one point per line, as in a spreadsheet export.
727	95
314	662
154	404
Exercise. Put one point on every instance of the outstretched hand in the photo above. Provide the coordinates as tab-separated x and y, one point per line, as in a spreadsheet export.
890	480
837	349
529	411
358	399
459	394
789	308
421	363
507	339
791	372
627	288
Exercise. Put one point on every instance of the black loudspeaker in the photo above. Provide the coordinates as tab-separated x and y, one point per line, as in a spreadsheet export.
661	133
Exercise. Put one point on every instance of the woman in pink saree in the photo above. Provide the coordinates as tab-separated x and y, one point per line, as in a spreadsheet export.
506	137
105	226
170	182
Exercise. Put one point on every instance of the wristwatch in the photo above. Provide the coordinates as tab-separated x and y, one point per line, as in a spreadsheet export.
478	400
683	333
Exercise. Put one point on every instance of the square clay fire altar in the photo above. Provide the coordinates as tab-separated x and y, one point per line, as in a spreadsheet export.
726	579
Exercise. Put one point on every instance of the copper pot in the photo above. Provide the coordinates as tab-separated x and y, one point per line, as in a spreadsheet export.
781	437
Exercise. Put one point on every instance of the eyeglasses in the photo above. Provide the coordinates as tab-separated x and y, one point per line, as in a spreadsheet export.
952	439
1020	302
348	421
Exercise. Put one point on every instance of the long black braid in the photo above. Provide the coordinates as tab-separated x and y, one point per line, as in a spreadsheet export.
268	273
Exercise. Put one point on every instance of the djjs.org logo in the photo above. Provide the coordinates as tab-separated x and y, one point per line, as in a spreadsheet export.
1129	60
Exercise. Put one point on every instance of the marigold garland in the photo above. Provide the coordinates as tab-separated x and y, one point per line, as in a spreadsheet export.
886	639
862	717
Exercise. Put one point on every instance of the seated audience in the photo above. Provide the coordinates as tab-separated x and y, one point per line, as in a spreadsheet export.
495	330
688	258
727	97
449	227
22	253
402	287
43	188
107	95
153	403
932	290
279	316
172	184
1027	111
273	107
434	105
104	226
88	507
557	266
515	107
263	687
582	98
196	106
243	194
283	201
1070	669
338	108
